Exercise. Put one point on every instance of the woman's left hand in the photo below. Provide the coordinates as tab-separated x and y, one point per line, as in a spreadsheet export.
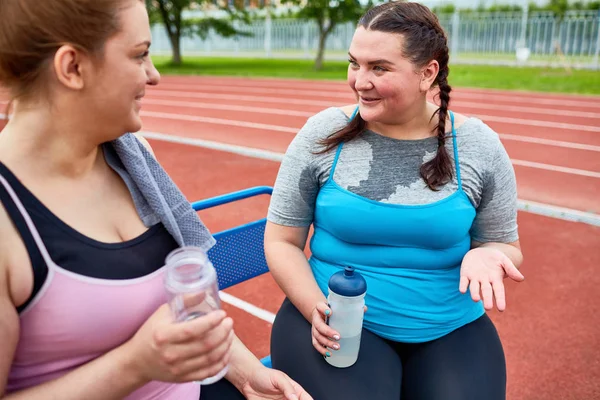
483	269
271	384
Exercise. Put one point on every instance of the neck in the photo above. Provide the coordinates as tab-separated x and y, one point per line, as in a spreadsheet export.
415	124
49	144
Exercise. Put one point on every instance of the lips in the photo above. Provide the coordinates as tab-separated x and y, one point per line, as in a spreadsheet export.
368	100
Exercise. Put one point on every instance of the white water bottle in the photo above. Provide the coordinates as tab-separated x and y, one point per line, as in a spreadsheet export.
192	289
346	299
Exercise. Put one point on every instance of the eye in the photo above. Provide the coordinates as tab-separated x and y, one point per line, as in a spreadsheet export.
379	68
353	63
143	55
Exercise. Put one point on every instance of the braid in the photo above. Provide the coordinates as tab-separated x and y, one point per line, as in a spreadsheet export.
353	129
438	171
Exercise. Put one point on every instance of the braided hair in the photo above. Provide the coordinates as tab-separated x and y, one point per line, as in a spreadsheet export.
424	40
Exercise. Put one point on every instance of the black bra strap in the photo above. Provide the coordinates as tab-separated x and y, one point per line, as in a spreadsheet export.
40	269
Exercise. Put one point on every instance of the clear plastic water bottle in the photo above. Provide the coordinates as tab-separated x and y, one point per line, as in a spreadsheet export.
346	299
192	289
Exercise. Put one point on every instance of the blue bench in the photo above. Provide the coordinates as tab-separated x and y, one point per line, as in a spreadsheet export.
239	253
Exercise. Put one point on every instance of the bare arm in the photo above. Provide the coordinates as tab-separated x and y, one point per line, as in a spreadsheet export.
284	250
241	364
89	381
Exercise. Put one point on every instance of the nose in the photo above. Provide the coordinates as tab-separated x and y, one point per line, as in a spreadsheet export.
363	81
152	74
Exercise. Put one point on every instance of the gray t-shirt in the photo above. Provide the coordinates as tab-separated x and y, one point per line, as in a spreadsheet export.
387	170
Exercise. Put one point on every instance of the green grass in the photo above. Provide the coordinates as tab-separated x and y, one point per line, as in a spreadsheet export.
477	76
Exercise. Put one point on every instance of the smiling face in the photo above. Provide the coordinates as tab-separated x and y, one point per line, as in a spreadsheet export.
389	88
115	88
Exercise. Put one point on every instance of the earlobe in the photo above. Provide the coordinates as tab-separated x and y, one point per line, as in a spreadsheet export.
68	67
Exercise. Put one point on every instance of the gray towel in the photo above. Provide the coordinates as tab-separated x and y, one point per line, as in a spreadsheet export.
156	196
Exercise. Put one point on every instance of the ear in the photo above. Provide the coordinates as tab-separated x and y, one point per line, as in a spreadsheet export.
69	67
428	75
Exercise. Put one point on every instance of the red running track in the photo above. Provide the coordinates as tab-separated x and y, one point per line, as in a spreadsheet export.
551	324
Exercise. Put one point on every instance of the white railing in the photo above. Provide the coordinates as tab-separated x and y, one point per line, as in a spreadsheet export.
474	37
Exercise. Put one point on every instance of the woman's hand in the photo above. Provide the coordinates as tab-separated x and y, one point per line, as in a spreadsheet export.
483	269
322	335
270	384
167	351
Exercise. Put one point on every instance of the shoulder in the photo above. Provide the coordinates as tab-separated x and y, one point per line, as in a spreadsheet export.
331	118
144	142
474	134
322	125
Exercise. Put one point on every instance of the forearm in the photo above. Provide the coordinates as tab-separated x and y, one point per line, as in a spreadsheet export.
290	269
511	251
110	376
241	364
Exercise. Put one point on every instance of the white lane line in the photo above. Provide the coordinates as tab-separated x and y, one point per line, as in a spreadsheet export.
557	212
506	136
549	142
231	107
524	205
217	121
556	168
318	91
527	110
227	107
261	90
494	118
229	148
248	307
516	98
279	128
241	97
274	156
532	122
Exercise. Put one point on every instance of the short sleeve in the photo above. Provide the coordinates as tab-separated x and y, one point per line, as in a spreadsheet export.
496	218
296	186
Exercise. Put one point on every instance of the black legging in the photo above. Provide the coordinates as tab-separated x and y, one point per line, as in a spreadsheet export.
466	364
221	390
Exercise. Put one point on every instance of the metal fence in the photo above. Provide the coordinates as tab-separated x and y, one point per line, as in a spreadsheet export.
492	38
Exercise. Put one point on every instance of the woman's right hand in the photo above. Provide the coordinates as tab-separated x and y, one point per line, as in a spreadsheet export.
323	337
163	350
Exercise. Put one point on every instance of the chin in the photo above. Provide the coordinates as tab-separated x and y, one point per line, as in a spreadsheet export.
368	115
134	125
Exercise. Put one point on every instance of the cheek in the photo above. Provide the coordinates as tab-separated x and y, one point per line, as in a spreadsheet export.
351	79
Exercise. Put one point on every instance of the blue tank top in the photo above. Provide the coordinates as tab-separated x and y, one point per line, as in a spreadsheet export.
410	256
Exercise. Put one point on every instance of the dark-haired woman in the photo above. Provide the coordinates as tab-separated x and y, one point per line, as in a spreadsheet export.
87	217
421	201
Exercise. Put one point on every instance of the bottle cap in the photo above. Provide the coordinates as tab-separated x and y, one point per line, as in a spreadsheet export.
348	283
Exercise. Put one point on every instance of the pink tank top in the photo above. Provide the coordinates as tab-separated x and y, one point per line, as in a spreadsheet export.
74	319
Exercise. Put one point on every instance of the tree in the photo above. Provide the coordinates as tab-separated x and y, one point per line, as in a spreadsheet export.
328	14
169	13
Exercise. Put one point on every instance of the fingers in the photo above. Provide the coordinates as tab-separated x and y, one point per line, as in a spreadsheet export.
474	289
487	294
323	343
207	363
464	284
322	334
305	396
318	321
193	329
512	271
283	382
500	295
